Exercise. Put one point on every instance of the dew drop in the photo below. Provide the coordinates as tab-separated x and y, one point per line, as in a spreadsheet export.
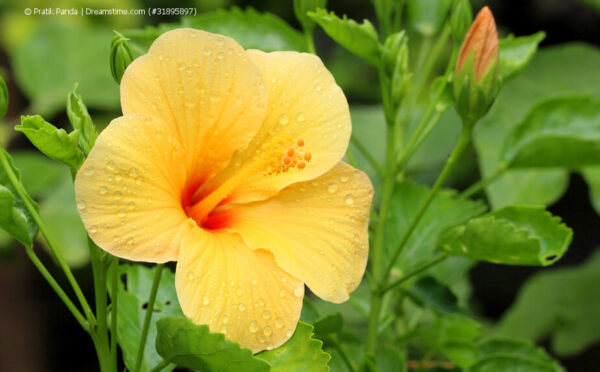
223	329
132	172
121	213
333	188
344	177
349	199
181	66
207	51
205	301
253	327
89	171
93	229
266	314
81	205
267	331
289	333
283	119
138	181
242	307
220	55
300	117
279	322
254	281
103	190
130	241
118	177
215	95
225	319
298	292
190	276
131	206
282	293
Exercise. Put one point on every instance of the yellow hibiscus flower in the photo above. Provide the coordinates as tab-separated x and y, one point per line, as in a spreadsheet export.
229	162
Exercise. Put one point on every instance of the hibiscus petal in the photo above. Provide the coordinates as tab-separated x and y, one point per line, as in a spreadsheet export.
306	107
237	291
317	230
203	85
128	190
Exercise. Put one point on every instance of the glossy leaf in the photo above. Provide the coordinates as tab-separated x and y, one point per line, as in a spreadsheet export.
301	9
14	217
558	133
515	235
517	52
445	211
513	355
53	142
360	39
132	302
186	344
562	304
553	72
56	56
81	121
250	28
301	353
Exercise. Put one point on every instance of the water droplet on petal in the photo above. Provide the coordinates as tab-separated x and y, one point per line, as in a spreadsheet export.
130	241
266	314
282	293
89	171
190	276
298	292
242	307
205	301
103	190
253	327
267	331
333	188
283	119
349	199
344	177
279	322
81	205
93	229
289	333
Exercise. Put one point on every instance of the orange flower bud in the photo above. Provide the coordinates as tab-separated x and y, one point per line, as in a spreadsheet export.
482	40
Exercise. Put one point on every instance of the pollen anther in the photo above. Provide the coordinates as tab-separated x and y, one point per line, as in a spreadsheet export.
282	154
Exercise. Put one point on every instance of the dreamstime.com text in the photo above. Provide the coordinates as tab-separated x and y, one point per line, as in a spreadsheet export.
109	11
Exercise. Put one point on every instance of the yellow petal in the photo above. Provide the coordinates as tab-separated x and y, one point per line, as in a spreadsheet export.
317	230
304	104
237	291
205	87
128	190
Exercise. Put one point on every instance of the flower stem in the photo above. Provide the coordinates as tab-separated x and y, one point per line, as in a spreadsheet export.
160	366
483	183
148	317
113	312
465	138
418	270
363	150
343	354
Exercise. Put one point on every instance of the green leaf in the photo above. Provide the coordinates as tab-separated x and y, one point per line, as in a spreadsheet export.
301	353
445	211
3	98
329	324
514	235
250	28
63	223
428	16
553	72
302	7
81	120
14	217
513	355
563	304
360	39
434	295
53	142
41	175
516	52
189	345
561	132
390	359
592	177
56	56
131	310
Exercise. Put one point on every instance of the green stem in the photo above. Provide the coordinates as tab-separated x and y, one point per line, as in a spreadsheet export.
59	291
310	43
475	188
363	150
113	312
465	138
383	17
418	270
37	219
160	366
149	311
101	315
351	158
342	353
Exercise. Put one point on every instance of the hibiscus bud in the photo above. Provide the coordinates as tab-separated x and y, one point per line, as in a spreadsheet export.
401	76
391	47
120	56
476	77
461	19
3	98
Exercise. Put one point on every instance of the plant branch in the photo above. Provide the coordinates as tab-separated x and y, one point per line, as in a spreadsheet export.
363	150
418	270
148	316
483	183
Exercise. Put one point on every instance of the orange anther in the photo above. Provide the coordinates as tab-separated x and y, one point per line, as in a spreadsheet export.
301	165
307	156
300	142
290	152
286	160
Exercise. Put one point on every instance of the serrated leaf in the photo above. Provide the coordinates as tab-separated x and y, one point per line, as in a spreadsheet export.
186	344
516	52
360	39
514	235
301	353
56	56
302	7
553	72
15	219
513	355
445	211
131	310
53	142
250	28
329	324
562	304
558	133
